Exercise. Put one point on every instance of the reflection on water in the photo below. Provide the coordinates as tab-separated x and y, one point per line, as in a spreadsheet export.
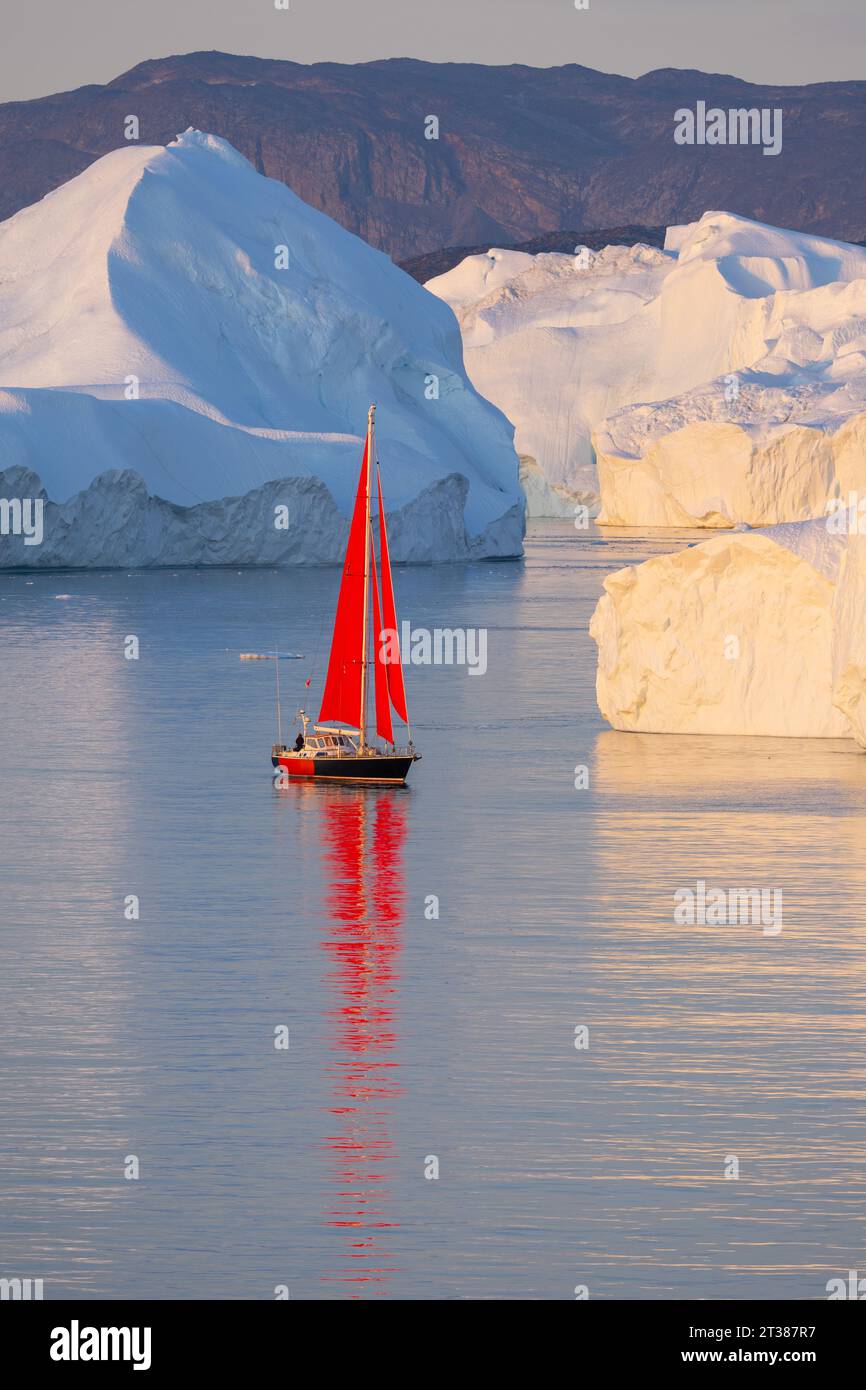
362	833
737	1043
305	908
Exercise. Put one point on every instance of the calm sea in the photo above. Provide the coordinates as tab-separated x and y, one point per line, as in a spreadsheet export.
416	1042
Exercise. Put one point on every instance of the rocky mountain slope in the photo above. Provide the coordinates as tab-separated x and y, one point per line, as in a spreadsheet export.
521	151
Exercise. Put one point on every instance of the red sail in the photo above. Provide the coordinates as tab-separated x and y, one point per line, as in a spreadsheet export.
384	727
393	667
341	702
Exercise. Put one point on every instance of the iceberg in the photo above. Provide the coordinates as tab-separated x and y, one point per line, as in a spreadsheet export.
720	381
557	342
187	355
753	632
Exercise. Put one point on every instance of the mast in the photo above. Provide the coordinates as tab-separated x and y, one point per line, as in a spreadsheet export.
362	721
279	712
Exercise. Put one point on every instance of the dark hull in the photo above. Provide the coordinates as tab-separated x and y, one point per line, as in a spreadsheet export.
389	769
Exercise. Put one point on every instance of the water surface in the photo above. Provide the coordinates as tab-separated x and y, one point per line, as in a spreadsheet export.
411	1038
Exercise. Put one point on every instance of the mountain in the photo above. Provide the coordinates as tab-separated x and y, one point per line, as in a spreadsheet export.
721	380
186	346
521	151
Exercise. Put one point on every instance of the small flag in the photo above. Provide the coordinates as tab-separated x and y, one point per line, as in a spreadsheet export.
306	683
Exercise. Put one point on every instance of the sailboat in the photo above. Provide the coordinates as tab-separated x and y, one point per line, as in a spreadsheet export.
339	748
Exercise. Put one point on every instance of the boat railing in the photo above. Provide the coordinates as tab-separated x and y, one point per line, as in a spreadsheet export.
408	751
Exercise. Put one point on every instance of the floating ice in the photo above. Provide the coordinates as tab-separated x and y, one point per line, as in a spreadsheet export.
756	632
186	347
718	382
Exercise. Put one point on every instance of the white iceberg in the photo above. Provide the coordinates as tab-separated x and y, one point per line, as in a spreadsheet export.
752	632
557	342
186	346
720	381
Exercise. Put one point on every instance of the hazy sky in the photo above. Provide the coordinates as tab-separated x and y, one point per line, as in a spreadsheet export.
52	45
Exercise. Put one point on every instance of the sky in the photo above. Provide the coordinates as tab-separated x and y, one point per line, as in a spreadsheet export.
54	45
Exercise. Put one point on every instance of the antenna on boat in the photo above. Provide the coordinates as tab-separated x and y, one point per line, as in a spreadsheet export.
279	712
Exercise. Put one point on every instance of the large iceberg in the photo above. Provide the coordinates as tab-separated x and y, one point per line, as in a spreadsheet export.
187	354
753	632
720	381
558	342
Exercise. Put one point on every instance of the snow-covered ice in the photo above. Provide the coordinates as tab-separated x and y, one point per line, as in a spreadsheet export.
159	271
752	632
720	381
558	342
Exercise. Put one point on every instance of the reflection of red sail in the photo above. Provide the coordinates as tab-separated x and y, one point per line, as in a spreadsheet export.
365	907
394	669
341	700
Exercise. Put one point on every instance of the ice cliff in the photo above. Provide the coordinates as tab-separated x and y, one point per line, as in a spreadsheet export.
558	342
186	347
720	381
752	632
